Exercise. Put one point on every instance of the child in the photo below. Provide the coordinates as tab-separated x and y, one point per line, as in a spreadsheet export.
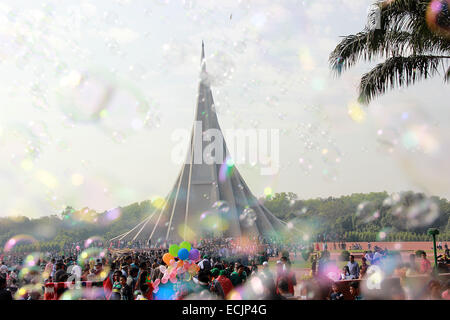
117	287
125	291
345	275
354	291
336	294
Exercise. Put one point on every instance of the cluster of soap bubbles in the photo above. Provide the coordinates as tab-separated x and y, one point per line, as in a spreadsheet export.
31	271
220	69
318	145
23	144
367	212
216	219
108	102
248	217
221	206
413	210
91	257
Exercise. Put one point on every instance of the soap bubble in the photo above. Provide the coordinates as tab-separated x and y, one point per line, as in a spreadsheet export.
413	210
367	212
29	292
220	69
388	138
221	206
19	240
437	17
248	217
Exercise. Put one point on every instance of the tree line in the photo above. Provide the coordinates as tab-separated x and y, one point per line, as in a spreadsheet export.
357	217
375	216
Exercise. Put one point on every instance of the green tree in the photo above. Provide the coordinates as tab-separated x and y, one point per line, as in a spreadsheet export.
415	46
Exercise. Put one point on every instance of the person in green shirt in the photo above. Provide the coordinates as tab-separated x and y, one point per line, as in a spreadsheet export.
239	276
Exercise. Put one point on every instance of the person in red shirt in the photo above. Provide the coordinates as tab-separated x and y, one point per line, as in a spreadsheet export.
222	285
425	264
287	275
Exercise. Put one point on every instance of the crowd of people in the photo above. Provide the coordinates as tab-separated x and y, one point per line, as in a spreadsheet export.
384	274
226	269
116	272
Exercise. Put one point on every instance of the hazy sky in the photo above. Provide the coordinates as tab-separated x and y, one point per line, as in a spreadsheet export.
139	60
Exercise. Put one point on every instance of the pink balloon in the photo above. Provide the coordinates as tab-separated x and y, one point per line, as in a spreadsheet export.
156	290
157	282
164	280
173	280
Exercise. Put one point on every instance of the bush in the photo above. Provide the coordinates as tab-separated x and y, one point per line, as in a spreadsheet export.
345	256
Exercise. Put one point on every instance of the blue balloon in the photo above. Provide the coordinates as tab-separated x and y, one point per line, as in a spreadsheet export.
183	254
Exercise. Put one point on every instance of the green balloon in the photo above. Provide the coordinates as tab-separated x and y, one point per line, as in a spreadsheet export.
173	250
186	245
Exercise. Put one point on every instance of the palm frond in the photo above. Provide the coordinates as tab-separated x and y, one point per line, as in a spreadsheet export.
371	44
447	75
401	14
396	72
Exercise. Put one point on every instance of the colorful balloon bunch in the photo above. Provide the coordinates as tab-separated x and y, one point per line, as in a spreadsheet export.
180	261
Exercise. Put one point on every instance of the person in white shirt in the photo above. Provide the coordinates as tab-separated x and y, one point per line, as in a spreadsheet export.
76	271
4	268
368	256
376	257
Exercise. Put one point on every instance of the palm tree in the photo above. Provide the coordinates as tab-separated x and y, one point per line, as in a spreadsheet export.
412	36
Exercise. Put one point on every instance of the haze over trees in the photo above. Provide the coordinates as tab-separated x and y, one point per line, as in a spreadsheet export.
357	217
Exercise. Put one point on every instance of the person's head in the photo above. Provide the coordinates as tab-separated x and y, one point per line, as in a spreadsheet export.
364	260
123	280
214	272
134	272
283	286
354	288
352	258
204	278
223	272
334	287
265	265
434	288
144	288
423	255
2	282
241	269
116	276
